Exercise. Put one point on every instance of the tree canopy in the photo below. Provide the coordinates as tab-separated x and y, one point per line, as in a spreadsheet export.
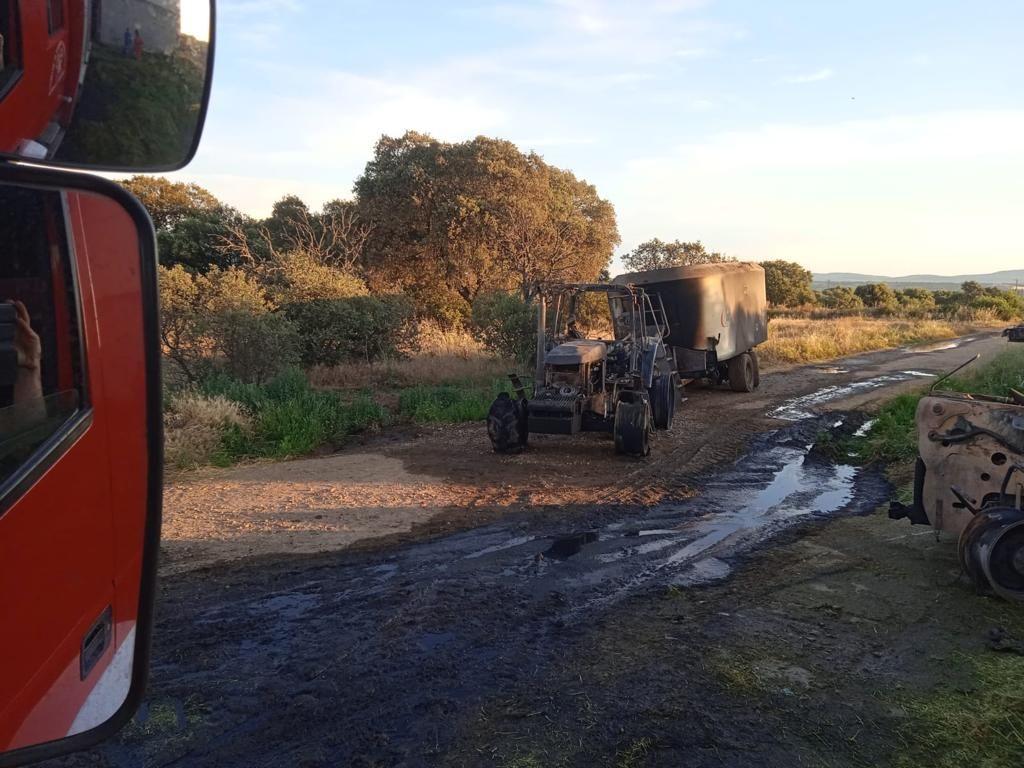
655	254
787	283
169	202
478	216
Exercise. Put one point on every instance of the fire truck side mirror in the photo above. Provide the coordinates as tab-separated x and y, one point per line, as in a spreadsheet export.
116	86
80	459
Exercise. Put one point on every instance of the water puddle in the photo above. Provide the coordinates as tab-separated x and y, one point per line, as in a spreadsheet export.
806	406
565	547
864	428
936	346
515	541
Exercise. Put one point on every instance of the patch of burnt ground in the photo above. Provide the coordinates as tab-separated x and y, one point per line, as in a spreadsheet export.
629	639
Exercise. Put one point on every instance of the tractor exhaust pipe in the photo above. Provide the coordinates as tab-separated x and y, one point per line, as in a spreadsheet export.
542	311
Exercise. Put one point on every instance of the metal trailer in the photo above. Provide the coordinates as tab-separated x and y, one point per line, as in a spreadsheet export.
717	315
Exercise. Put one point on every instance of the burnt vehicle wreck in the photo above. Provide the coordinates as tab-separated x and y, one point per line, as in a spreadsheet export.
969	482
667	327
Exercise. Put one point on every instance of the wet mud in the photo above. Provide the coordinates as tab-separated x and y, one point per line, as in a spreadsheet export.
378	659
624	629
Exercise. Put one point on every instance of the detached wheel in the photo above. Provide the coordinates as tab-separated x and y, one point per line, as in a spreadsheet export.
663	400
507	424
632	428
742	373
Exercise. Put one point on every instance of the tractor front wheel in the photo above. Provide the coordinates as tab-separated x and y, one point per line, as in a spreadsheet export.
632	428
507	424
663	400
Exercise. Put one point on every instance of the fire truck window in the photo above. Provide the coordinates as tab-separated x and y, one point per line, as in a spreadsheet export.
55	14
41	377
10	49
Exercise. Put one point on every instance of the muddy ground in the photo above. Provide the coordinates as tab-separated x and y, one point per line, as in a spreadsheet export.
398	486
734	601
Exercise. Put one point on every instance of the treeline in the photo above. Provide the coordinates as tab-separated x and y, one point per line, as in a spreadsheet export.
458	236
435	232
789	285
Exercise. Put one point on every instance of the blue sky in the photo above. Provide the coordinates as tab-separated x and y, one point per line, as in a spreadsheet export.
866	136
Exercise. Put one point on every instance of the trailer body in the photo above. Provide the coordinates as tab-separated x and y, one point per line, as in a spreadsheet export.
715	312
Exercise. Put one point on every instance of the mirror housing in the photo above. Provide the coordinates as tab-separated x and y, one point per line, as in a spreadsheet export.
112	85
78	543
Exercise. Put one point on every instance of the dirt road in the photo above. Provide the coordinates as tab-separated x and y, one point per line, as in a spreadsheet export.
584	618
403	485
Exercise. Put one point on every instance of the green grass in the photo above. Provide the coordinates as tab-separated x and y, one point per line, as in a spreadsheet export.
289	418
449	403
893	436
982	727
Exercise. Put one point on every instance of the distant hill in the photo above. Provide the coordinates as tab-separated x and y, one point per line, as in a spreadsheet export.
1005	278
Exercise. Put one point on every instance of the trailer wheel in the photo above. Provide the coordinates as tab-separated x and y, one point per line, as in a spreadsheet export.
741	373
663	400
757	368
632	427
506	422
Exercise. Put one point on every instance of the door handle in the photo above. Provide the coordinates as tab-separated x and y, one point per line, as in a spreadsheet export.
95	642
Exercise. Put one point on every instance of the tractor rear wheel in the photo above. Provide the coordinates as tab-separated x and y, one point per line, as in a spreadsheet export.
663	400
741	373
632	427
757	368
507	424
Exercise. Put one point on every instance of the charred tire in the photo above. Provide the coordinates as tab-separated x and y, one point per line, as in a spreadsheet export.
632	427
506	424
663	400
742	373
991	550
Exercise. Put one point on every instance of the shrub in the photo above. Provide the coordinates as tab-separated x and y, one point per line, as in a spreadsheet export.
288	417
359	328
877	295
253	346
841	297
189	306
506	324
299	276
195	426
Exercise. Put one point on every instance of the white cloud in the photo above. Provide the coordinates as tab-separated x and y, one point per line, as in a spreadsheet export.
817	76
904	194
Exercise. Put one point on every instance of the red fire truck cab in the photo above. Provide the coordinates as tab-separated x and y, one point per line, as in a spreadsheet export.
80	473
44	47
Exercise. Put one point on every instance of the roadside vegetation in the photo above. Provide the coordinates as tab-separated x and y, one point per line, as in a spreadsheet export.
892	437
411	302
807	340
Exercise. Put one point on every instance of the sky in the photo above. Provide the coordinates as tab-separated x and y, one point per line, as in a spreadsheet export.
875	137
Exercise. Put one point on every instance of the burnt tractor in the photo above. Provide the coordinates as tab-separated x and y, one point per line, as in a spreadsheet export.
969	482
625	384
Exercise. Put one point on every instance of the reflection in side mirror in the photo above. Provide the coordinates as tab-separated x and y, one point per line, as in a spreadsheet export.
79	460
105	84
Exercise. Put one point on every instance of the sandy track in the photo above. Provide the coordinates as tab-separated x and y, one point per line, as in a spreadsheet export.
401	485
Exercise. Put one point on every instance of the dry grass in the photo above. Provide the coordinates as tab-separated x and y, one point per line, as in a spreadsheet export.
194	425
436	356
410	372
431	340
805	341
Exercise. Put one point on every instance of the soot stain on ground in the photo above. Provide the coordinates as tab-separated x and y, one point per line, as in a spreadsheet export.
389	659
